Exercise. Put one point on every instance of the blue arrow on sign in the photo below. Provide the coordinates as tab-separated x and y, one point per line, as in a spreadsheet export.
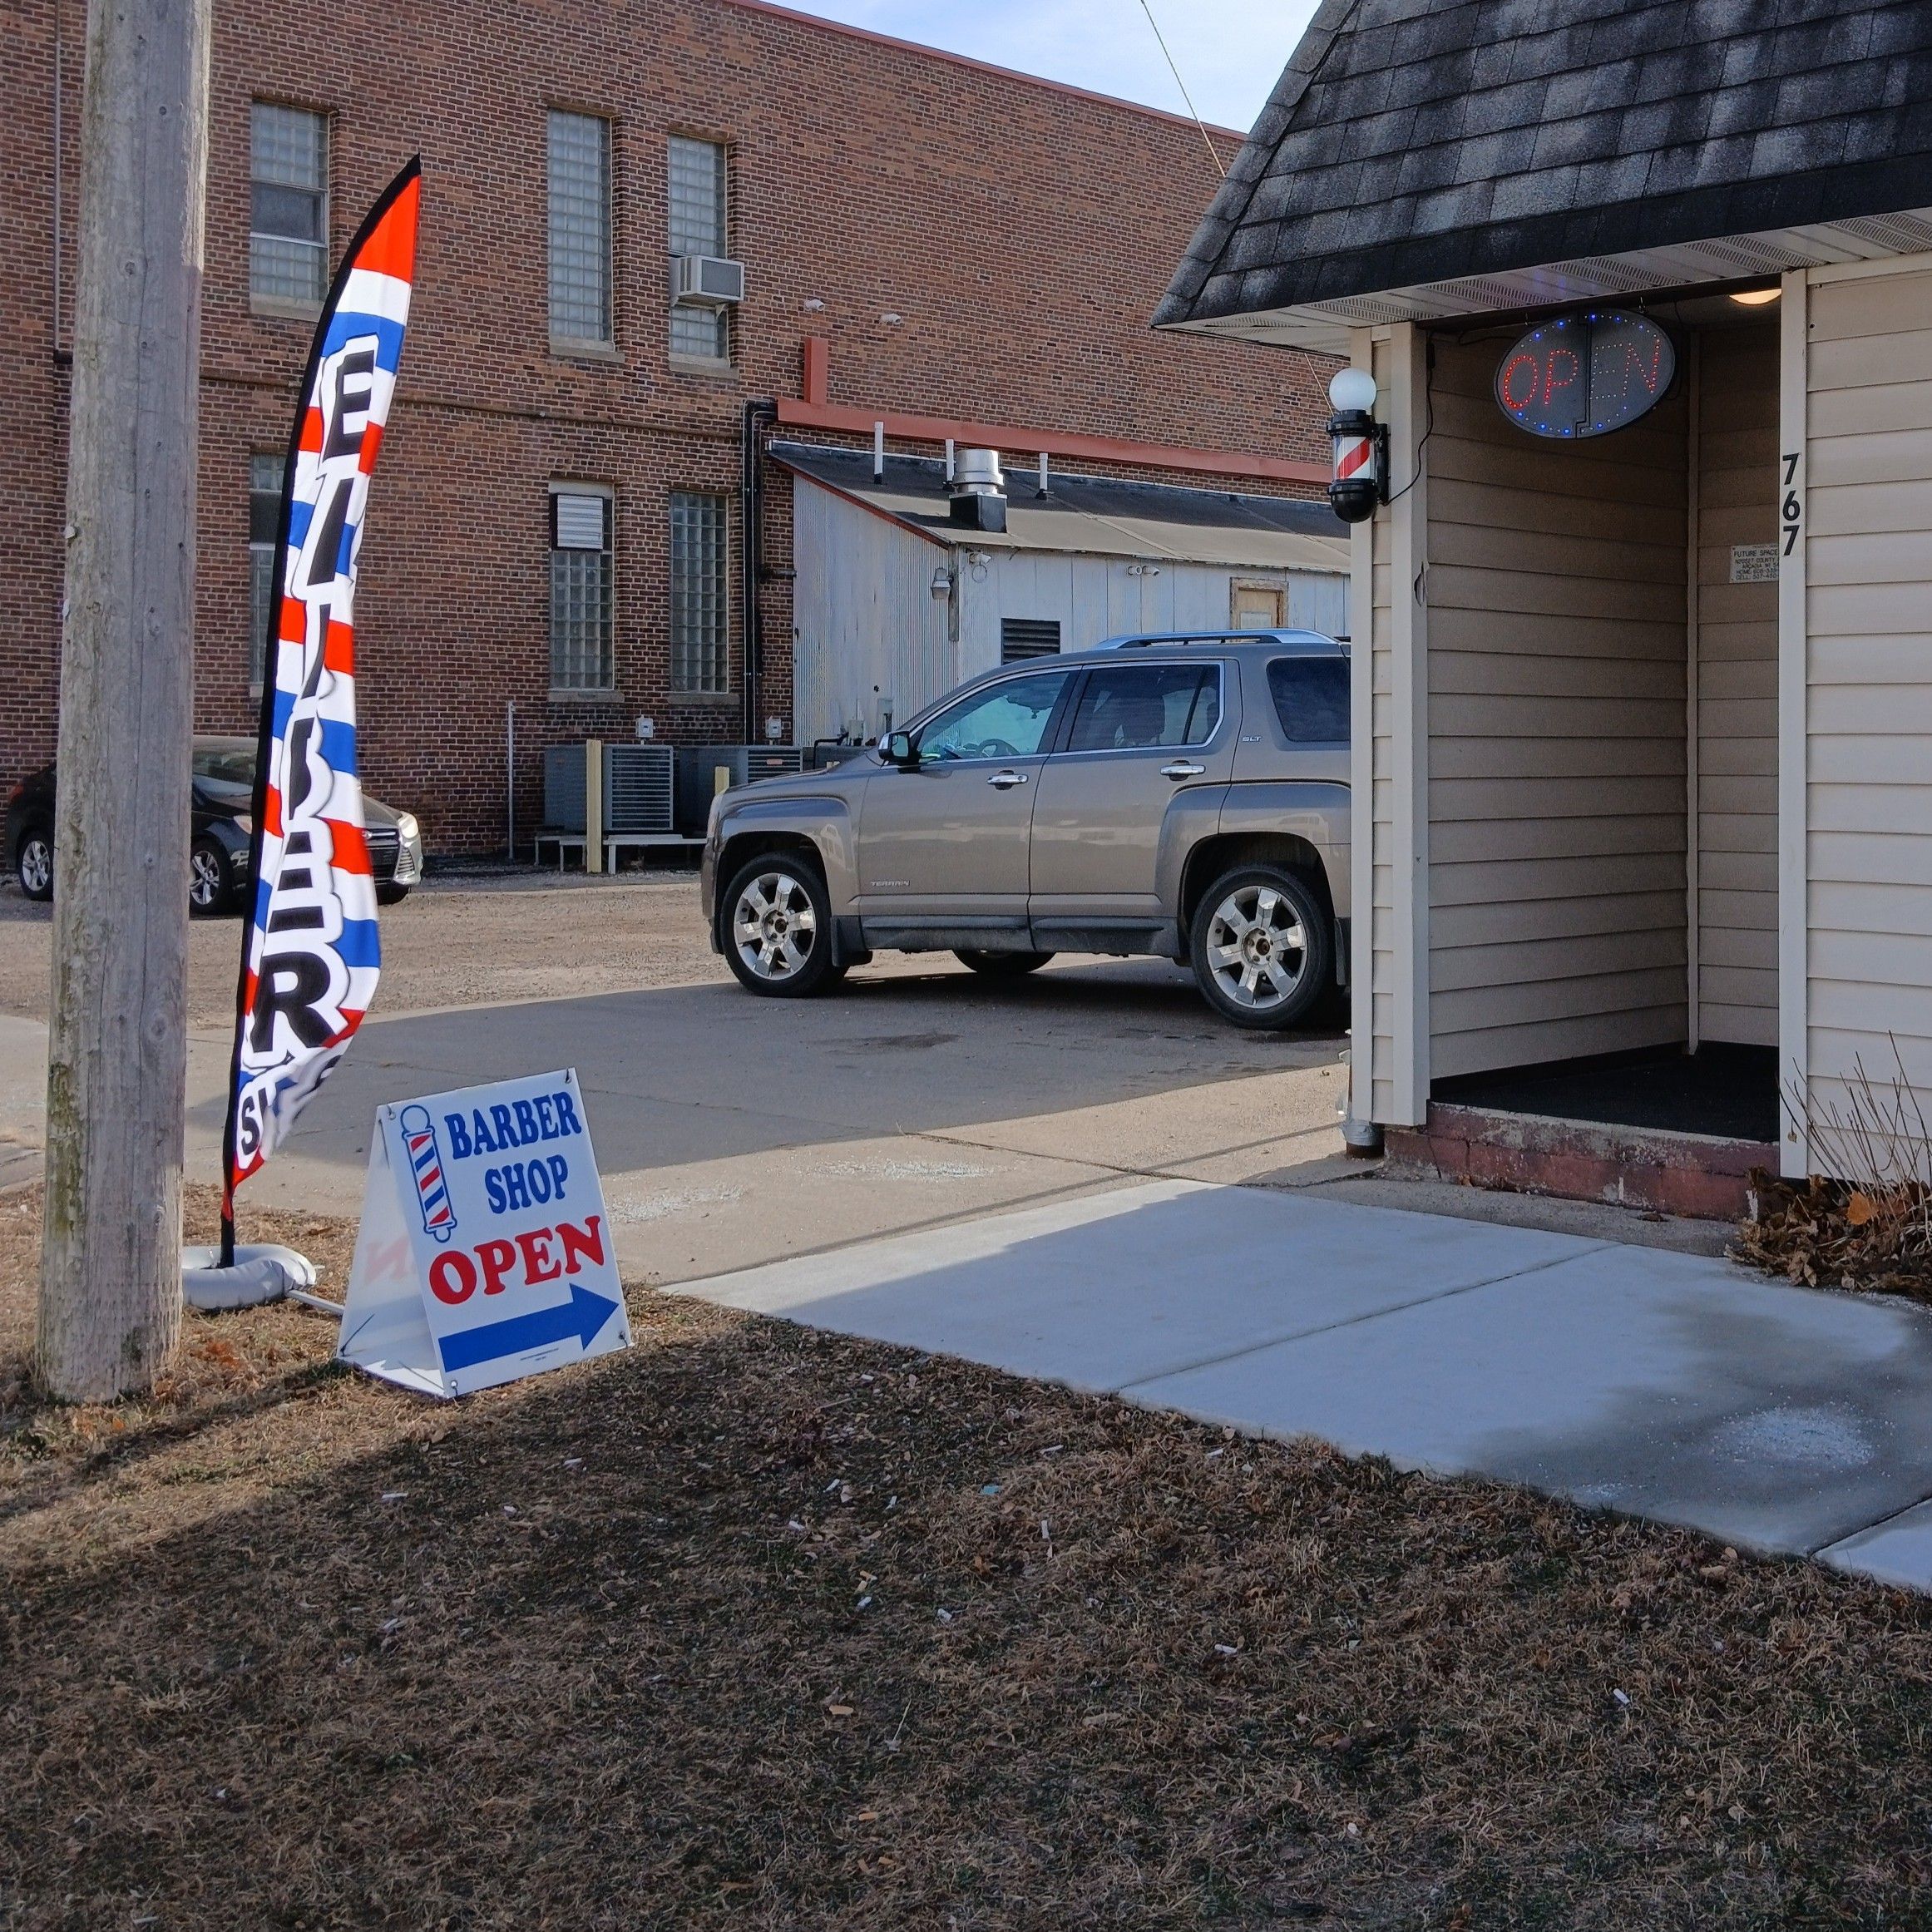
583	1316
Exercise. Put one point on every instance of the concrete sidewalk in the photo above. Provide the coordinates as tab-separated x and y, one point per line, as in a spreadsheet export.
1664	1384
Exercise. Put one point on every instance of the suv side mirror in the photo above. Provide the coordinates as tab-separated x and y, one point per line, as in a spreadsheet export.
897	749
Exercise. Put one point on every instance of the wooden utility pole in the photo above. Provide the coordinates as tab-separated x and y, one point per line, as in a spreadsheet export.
110	1264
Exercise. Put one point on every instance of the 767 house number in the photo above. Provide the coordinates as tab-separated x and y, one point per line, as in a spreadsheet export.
1791	511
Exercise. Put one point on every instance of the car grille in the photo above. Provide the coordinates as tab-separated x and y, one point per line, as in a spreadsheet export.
385	847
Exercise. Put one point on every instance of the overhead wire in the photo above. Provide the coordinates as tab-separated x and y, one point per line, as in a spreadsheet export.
1213	155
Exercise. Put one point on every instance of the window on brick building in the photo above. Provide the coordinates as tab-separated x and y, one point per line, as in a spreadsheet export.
581	590
288	243
265	527
700	602
696	179
579	228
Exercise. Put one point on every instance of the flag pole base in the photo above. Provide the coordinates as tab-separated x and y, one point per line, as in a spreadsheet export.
262	1272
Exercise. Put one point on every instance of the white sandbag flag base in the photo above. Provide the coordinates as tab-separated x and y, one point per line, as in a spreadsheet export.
262	1272
484	1253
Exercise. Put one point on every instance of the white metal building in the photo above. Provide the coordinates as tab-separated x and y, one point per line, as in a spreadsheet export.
894	603
1645	726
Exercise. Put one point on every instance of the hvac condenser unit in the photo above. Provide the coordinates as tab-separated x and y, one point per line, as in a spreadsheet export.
708	281
563	787
705	770
639	783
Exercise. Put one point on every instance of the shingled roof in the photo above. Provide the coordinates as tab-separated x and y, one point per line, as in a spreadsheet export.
1412	142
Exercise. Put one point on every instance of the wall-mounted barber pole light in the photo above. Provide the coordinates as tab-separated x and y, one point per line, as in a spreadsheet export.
1361	447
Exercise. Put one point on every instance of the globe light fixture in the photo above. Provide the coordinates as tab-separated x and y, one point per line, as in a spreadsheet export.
1360	479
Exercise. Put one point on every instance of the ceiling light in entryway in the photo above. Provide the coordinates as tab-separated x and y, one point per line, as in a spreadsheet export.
1756	298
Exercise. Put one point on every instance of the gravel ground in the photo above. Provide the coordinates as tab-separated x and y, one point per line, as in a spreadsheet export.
452	942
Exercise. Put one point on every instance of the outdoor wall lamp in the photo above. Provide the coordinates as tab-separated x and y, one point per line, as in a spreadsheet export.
1361	447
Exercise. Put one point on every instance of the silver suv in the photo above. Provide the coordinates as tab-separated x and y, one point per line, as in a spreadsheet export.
1183	795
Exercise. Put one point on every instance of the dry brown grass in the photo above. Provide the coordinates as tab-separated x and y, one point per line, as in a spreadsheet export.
660	1643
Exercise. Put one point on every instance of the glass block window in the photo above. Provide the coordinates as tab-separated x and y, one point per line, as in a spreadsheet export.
701	609
696	194
580	592
288	243
264	523
580	228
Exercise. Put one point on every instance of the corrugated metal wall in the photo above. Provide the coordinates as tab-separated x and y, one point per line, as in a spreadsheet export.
868	633
869	628
1869	618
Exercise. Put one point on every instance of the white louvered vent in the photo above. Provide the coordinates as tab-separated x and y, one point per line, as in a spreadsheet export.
579	521
1903	234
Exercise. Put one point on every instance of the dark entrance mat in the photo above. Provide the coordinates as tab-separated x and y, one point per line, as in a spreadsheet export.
1727	1091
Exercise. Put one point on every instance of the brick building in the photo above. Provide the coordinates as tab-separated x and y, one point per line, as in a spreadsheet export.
971	251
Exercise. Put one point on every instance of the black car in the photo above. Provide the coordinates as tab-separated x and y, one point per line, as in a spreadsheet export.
217	857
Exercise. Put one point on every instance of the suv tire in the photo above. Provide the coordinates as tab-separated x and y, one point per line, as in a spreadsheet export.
1003	965
1262	949
776	921
33	862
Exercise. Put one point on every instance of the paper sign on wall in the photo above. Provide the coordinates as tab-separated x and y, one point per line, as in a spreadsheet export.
485	1250
1754	563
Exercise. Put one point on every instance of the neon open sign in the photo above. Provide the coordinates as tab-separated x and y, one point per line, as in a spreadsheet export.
1585	375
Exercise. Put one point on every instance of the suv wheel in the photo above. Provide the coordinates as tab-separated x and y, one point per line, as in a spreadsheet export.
210	879
1002	965
1262	950
778	928
33	864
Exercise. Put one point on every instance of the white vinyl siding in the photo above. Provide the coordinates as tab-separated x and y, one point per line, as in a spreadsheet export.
1557	595
1736	696
700	595
1868	575
694	187
288	243
579	228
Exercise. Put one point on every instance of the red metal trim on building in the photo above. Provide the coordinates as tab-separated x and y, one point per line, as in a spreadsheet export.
796	413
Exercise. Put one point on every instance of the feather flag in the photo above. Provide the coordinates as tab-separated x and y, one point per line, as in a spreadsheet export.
311	953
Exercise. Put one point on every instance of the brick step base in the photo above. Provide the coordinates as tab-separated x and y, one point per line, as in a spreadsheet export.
1582	1160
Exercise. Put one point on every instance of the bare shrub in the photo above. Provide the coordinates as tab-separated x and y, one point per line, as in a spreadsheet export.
1865	1219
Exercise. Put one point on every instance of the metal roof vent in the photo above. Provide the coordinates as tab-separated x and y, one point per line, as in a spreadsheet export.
978	489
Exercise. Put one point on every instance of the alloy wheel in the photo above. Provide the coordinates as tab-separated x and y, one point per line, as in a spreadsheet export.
1258	949
204	879
36	866
773	925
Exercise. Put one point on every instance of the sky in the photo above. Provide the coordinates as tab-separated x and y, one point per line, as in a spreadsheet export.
1230	52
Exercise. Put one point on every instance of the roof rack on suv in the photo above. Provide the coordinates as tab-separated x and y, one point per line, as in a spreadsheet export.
1139	640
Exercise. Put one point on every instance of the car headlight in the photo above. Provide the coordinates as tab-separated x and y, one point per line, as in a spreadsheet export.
244	825
406	829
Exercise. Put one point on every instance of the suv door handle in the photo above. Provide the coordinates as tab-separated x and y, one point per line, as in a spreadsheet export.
1180	768
1005	781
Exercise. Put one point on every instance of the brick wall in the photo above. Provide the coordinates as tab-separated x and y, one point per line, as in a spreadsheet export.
1021	231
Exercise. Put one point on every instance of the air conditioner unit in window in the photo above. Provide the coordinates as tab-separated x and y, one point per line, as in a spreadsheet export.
707	281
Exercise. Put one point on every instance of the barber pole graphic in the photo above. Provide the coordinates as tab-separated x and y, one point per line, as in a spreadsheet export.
312	954
426	1164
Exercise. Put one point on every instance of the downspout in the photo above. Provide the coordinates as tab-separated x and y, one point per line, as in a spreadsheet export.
751	510
61	358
